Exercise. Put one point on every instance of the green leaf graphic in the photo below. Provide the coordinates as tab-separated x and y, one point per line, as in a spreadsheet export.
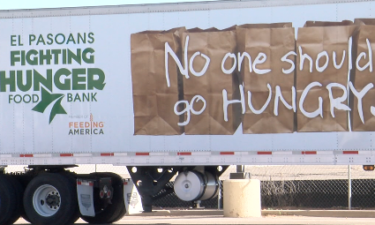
47	99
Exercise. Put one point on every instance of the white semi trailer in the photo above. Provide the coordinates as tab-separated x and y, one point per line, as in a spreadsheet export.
182	89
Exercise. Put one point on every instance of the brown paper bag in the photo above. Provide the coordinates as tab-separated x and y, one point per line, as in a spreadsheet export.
323	38
275	41
362	118
153	99
209	86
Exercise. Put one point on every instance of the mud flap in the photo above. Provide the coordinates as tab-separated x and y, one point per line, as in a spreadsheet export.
85	195
132	199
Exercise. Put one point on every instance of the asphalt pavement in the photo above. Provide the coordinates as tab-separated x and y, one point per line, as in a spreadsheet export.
326	217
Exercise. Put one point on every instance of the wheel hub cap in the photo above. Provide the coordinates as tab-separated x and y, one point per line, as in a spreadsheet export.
46	200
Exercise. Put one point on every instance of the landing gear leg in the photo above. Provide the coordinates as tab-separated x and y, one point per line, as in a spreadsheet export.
150	180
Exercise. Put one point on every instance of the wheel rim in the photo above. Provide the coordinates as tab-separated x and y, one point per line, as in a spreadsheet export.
46	200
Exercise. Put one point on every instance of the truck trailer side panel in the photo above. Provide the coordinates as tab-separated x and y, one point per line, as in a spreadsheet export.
183	90
66	93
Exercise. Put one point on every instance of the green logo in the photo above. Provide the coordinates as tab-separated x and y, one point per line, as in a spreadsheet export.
74	86
47	99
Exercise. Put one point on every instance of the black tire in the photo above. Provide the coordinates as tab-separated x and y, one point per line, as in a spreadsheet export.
113	212
120	214
7	200
72	179
63	192
17	187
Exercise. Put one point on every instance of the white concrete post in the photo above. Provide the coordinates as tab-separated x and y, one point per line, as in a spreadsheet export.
242	198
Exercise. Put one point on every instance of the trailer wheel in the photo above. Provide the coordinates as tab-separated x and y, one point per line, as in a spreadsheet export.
112	212
7	200
51	199
73	180
18	189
